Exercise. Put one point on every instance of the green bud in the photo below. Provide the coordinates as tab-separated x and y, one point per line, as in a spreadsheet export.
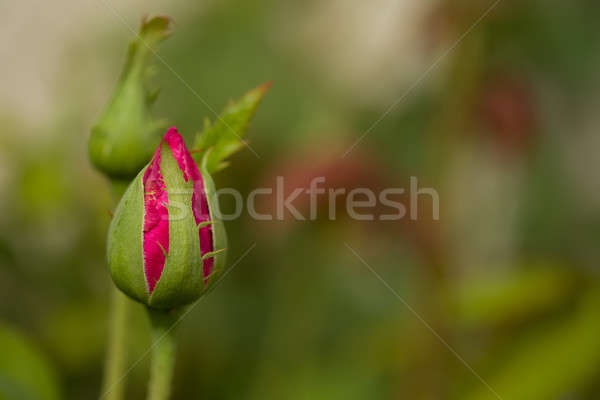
126	134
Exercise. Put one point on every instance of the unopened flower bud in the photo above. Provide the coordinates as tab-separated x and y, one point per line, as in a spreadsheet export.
165	242
126	134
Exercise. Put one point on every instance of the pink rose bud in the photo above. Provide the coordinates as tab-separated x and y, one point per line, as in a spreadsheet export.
165	241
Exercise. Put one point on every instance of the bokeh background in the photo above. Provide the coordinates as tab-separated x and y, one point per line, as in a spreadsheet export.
503	124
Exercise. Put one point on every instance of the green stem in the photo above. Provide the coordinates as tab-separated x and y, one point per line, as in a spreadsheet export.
114	367
113	384
163	354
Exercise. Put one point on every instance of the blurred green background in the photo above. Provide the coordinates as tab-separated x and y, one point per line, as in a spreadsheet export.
504	127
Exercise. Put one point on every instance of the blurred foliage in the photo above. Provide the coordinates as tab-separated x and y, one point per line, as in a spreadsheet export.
554	358
493	300
504	128
24	371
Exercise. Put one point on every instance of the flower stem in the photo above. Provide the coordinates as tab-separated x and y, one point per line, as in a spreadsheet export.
113	384
163	354
114	367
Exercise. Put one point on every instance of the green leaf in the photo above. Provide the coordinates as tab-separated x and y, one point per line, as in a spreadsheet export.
550	361
225	135
25	374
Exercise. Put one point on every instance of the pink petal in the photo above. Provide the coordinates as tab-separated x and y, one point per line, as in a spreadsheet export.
156	222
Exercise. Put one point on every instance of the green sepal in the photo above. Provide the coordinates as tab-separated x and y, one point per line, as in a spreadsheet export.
204	224
211	254
126	256
126	134
218	228
225	135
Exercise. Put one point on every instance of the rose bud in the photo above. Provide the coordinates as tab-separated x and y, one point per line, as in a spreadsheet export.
165	241
126	134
